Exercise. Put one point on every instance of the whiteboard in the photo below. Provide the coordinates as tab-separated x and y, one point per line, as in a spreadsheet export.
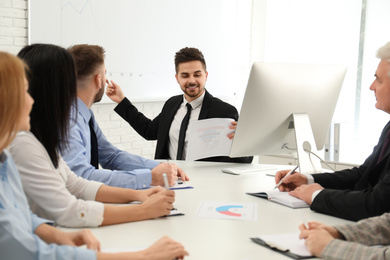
141	38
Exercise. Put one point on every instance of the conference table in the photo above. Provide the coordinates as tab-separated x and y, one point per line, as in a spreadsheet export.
214	238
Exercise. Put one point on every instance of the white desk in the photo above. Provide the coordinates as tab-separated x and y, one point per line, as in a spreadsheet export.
215	238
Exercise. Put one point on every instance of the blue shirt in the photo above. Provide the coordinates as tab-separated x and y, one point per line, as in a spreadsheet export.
17	223
120	168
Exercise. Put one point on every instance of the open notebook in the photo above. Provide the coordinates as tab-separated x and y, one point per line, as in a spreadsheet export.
281	197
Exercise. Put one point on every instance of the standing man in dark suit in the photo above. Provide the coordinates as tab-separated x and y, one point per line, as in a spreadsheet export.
191	74
355	193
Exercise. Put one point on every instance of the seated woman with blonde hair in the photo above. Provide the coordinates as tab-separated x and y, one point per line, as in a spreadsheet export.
23	235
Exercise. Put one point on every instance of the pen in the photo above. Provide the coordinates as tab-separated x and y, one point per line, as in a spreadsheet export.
290	172
165	181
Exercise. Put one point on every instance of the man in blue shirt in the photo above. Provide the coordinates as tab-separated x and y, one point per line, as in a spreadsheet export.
120	169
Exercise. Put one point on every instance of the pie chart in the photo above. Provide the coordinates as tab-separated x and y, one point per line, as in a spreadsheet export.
230	210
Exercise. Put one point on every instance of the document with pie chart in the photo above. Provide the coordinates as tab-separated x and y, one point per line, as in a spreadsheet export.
227	210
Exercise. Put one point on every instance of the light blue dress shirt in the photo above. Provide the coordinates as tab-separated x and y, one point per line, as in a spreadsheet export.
17	223
120	168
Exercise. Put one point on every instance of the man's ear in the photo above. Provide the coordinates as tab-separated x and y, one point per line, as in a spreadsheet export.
97	80
177	79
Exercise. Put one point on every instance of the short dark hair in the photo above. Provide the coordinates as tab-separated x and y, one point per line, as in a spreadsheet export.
189	54
52	85
87	58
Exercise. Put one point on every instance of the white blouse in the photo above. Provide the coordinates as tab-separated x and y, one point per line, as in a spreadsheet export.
55	194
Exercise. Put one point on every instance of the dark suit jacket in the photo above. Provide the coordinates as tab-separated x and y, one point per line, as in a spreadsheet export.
357	193
158	128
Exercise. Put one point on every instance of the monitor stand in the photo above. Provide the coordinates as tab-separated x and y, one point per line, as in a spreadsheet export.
307	162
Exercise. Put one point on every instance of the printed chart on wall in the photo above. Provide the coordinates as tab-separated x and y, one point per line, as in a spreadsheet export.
227	210
141	38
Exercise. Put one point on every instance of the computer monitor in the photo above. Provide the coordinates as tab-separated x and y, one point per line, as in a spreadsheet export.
288	108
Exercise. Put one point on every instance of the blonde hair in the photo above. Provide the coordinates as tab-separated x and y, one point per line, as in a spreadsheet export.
12	75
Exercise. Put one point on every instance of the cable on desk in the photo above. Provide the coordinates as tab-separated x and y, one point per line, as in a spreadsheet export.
310	152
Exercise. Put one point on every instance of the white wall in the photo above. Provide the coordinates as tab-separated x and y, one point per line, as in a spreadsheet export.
14	35
120	134
318	31
13	25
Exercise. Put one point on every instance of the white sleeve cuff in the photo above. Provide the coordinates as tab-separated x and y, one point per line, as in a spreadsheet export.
310	179
92	214
314	195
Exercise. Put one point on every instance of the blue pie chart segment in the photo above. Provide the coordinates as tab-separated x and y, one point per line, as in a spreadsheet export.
229	210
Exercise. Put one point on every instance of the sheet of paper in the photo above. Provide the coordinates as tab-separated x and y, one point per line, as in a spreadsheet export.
227	210
174	212
289	241
208	138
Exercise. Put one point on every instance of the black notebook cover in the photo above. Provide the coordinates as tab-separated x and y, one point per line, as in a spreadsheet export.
282	251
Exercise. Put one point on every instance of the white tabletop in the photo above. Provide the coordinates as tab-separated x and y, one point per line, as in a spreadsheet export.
215	238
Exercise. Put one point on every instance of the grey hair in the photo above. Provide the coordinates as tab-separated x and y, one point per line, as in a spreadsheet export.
383	53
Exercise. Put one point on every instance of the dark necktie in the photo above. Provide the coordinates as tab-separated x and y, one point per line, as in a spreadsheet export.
182	134
94	146
385	146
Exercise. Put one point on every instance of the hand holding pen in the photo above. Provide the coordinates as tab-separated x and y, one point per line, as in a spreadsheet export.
167	186
181	175
288	180
169	169
166	183
281	180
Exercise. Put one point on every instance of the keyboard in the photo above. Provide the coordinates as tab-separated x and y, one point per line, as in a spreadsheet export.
248	168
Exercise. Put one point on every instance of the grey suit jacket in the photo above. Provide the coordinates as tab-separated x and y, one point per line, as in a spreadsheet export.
361	237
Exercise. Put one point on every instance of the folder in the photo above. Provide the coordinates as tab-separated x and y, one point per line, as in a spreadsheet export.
181	186
287	244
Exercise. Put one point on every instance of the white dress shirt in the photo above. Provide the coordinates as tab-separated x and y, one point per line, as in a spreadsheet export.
310	180
176	123
55	194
